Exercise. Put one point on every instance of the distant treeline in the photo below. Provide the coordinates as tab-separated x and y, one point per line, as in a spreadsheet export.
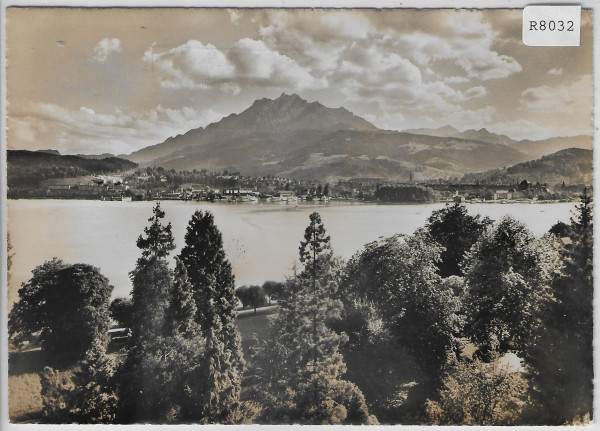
30	168
404	193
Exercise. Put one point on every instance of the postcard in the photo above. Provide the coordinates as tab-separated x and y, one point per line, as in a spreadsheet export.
299	215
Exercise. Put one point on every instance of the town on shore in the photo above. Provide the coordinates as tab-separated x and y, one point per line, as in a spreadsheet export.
161	184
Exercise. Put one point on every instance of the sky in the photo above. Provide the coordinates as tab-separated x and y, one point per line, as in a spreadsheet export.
117	80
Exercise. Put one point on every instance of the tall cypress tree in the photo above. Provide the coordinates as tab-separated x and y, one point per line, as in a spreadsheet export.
300	366
212	281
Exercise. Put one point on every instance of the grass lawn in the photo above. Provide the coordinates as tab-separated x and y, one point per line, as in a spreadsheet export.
254	328
24	399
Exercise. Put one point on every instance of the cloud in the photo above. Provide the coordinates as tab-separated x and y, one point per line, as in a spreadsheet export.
318	39
403	67
191	65
555	71
85	131
196	65
571	97
474	92
105	48
363	58
234	16
472	54
398	68
258	64
371	66
455	79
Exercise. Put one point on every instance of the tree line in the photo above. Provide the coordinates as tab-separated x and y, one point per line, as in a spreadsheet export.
456	301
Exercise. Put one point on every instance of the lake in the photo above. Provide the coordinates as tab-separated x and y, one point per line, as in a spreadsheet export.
261	240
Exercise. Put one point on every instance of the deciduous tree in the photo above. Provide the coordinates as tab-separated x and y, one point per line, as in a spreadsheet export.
455	230
251	296
121	311
507	274
67	305
398	276
273	289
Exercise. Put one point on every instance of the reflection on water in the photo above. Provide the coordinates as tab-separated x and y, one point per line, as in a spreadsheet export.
261	241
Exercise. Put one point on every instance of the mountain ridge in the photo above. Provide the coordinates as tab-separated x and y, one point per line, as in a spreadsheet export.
29	168
289	136
570	165
533	148
294	113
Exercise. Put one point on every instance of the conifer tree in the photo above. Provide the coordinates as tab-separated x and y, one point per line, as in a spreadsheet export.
94	399
181	313
300	366
141	397
84	394
212	282
151	278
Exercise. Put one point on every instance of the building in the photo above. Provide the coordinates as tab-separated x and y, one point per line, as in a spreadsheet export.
502	195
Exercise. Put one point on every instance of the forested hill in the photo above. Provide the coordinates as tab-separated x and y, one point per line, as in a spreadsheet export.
29	168
573	166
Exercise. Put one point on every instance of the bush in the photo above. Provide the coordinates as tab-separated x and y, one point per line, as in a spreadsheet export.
479	393
57	391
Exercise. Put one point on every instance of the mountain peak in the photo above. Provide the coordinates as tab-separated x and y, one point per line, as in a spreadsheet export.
290	112
292	96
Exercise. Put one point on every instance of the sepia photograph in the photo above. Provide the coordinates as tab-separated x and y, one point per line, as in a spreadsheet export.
298	216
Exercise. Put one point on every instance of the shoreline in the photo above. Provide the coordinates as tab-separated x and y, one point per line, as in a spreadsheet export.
314	202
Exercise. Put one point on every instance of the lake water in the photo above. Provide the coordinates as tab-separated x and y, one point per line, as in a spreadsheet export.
261	240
